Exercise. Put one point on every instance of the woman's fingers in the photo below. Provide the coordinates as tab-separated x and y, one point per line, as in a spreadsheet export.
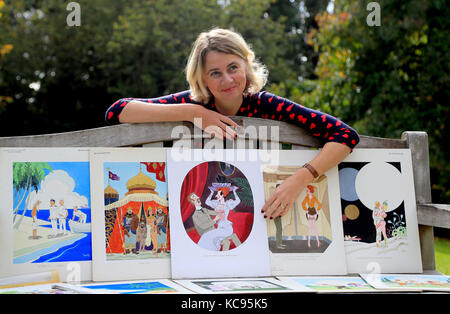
229	122
274	207
278	208
221	130
265	209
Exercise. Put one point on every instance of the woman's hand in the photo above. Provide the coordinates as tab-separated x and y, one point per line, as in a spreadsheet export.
287	193
215	123
282	200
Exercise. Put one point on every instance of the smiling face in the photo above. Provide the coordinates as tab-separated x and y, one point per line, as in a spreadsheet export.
225	77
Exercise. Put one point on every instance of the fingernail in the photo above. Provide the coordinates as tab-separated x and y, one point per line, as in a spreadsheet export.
265	216
271	217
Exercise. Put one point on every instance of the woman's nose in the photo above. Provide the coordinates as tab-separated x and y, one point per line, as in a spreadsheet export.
226	78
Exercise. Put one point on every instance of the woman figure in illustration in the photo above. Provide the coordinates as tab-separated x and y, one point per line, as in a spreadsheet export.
378	215
312	214
212	239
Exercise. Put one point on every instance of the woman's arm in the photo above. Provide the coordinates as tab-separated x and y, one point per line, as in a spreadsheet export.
175	107
211	203
231	204
319	204
287	192
321	125
141	112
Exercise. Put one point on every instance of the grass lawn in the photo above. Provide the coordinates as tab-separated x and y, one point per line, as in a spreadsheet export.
442	255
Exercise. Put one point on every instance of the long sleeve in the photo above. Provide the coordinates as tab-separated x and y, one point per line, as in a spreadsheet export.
113	113
319	205
304	203
321	125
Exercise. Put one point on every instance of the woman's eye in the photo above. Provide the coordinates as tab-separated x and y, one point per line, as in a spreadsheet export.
215	74
233	67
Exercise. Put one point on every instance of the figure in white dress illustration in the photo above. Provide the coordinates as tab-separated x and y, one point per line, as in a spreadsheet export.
212	239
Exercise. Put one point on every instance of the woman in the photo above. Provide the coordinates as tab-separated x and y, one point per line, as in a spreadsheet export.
378	215
212	240
226	80
152	232
311	205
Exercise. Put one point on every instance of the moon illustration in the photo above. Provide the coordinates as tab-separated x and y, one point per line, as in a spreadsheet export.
351	212
347	177
380	181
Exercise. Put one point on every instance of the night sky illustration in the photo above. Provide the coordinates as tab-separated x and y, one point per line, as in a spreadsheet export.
357	218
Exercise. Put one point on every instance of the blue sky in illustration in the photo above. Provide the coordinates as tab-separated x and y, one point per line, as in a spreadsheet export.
127	170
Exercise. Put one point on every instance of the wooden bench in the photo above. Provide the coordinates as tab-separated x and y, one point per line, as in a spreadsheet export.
259	133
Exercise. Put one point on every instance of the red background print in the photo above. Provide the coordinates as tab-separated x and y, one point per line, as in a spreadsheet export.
197	180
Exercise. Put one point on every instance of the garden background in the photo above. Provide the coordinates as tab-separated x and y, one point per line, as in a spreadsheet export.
325	54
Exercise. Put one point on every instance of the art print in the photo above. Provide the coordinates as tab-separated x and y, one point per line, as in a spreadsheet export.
334	284
48	208
408	282
162	286
39	289
307	226
136	211
131	234
218	212
215	217
308	239
52	214
379	211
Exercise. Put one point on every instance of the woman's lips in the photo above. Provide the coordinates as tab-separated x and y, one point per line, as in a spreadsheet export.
228	89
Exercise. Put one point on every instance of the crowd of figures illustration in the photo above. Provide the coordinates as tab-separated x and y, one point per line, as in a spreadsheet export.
58	218
149	232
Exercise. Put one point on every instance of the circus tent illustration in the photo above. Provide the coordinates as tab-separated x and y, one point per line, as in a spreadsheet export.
144	202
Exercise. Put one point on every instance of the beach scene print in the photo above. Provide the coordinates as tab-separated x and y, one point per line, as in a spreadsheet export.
51	212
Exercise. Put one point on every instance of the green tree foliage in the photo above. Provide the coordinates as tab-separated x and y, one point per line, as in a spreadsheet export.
27	177
298	18
61	78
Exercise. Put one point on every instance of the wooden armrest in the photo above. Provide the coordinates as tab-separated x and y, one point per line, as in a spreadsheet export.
436	215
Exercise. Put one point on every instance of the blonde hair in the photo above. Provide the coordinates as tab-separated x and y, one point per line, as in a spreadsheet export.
224	41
